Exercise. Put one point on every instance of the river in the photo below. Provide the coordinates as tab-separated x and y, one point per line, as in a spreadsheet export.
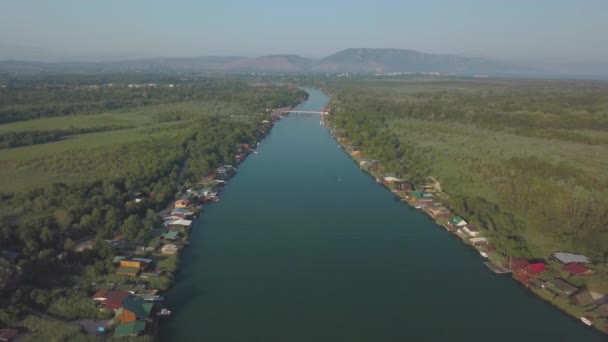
304	246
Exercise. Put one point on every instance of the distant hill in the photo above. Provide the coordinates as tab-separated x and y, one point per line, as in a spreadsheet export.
349	60
398	60
273	63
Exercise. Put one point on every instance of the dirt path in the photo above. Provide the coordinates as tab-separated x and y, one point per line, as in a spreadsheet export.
436	183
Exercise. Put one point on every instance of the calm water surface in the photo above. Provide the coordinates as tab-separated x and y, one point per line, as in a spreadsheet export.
306	247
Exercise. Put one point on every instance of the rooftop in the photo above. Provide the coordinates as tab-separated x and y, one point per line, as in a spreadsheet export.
130	329
566	258
575	268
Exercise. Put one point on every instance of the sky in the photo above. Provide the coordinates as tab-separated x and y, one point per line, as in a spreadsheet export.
530	30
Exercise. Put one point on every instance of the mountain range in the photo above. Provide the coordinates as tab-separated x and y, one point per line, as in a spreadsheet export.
354	60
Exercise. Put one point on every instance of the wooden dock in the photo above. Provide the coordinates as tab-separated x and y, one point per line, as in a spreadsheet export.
497	269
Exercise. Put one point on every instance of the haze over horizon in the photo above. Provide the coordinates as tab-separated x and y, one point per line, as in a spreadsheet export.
567	34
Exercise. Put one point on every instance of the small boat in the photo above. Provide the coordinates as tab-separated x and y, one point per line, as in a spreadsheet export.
483	254
587	319
164	312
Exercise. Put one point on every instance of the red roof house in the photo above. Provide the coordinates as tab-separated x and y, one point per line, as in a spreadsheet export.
533	269
517	263
7	335
576	269
111	299
101	295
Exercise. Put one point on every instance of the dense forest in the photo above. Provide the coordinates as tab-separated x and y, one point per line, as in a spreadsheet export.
524	159
199	126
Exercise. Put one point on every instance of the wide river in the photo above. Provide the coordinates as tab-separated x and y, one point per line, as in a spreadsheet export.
304	246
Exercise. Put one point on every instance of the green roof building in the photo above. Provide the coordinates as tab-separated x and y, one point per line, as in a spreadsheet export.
137	305
130	329
171	235
416	194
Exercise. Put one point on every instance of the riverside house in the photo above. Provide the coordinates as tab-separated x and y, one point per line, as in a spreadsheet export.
566	258
532	270
8	335
169	249
110	299
182	203
133	309
582	298
471	230
560	287
577	269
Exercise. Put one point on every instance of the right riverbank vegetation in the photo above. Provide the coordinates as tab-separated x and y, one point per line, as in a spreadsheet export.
515	168
100	179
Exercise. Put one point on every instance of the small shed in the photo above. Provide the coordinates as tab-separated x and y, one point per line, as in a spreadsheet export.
566	258
131	263
128	271
169	249
560	287
182	203
582	298
472	230
458	221
173	235
479	241
416	194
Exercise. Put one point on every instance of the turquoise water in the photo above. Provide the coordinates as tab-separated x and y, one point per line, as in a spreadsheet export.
306	247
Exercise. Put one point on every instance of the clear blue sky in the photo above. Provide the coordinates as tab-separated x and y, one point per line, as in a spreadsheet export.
510	29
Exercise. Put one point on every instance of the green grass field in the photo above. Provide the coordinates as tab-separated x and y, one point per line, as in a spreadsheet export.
23	168
527	159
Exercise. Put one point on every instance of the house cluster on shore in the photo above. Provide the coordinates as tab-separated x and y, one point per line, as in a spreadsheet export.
560	278
134	303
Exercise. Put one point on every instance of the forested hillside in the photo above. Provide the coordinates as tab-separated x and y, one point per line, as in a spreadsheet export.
525	159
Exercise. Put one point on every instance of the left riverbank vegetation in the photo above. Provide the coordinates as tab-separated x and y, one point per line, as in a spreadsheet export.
89	165
516	168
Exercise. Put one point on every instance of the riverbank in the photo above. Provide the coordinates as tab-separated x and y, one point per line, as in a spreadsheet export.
548	278
195	197
305	247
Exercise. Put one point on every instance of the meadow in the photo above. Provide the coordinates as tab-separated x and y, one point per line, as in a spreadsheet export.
525	159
